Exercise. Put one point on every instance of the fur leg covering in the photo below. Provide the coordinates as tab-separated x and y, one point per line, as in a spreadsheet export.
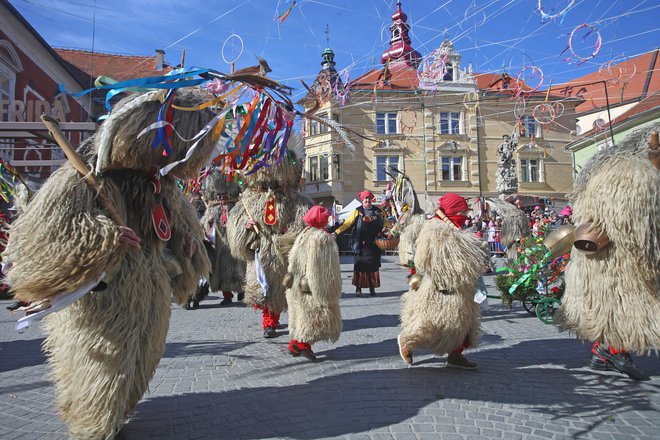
441	312
314	316
102	366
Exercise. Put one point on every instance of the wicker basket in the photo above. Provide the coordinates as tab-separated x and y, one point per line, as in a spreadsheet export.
387	244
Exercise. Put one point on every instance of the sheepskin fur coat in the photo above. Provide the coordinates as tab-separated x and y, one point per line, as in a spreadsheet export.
613	295
409	233
441	313
104	348
314	316
221	196
273	242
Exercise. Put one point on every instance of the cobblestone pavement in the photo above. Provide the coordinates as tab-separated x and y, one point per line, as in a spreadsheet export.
219	379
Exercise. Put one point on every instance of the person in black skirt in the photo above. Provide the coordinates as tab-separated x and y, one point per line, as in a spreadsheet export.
367	221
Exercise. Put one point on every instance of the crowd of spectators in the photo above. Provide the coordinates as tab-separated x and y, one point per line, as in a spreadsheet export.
489	228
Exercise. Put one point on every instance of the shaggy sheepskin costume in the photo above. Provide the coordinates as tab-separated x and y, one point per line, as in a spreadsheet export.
228	271
440	314
276	183
409	233
613	295
104	348
315	290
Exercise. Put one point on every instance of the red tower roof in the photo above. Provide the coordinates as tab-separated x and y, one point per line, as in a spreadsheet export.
400	55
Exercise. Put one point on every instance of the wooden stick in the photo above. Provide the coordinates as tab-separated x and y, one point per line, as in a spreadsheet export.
54	128
247	211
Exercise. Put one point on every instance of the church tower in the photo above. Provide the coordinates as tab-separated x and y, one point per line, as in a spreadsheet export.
400	55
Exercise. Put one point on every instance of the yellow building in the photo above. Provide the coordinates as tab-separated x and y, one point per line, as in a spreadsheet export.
435	121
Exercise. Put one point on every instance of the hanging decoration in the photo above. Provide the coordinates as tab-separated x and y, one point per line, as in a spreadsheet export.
471	102
286	13
432	69
409	122
342	86
589	30
323	88
530	76
560	12
617	72
519	107
231	38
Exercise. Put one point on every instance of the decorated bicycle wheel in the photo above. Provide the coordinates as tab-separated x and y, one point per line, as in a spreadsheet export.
529	303
546	309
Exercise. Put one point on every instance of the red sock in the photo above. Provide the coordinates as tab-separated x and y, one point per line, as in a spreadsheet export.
270	319
291	347
463	346
303	345
226	294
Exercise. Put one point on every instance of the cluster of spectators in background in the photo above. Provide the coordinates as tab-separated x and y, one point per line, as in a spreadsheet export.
489	228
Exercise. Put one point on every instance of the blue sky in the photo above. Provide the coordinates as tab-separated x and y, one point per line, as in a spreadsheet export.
489	33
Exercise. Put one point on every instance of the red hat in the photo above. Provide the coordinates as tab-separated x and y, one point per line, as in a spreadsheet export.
317	217
364	194
452	203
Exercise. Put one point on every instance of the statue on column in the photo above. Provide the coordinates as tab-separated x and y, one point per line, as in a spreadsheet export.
507	180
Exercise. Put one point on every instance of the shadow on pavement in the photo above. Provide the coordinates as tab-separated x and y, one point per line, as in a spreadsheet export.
371	321
181	349
21	354
359	401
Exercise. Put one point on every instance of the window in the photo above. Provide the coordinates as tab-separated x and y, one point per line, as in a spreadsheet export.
529	170
449	76
313	128
6	94
450	123
383	164
323	168
528	126
386	123
452	168
313	169
337	164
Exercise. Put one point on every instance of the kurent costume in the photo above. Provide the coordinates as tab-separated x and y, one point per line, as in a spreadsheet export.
228	272
367	223
613	289
314	286
439	312
271	201
104	348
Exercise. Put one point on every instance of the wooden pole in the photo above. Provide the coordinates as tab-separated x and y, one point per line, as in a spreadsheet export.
54	128
654	147
247	211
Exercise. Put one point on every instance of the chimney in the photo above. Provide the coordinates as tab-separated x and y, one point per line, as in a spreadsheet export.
160	59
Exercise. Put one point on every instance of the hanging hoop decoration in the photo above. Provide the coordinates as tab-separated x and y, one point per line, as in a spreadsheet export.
433	68
224	45
342	86
519	107
471	102
558	109
544	114
323	88
590	29
527	76
598	125
477	12
553	15
616	73
409	124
